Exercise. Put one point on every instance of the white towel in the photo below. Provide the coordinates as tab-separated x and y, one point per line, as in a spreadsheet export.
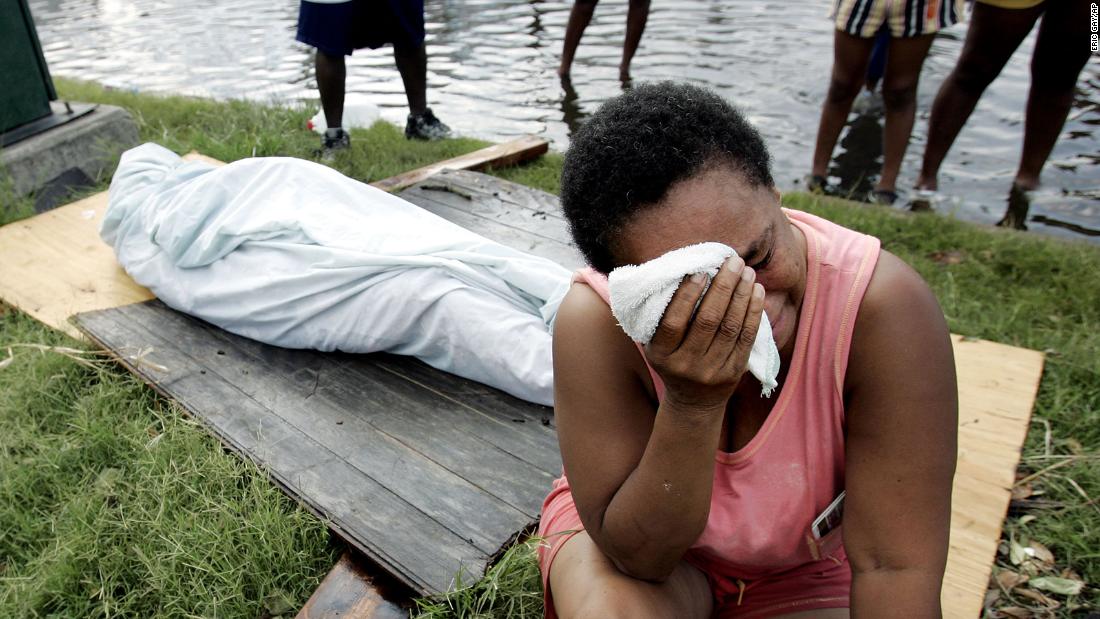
640	293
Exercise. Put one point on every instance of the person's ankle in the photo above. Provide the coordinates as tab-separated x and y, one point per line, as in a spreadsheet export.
927	183
1026	183
333	132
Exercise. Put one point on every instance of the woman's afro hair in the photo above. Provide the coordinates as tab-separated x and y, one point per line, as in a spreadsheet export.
637	145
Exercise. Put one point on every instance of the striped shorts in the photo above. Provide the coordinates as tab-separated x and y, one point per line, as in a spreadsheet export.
905	18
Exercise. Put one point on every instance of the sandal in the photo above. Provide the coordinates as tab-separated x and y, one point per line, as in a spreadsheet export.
925	200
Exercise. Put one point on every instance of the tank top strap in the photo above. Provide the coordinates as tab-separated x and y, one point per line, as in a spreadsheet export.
846	260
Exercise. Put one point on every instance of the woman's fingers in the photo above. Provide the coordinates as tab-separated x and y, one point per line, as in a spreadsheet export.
677	316
750	324
710	317
733	319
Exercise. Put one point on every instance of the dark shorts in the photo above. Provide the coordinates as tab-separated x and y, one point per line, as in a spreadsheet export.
341	27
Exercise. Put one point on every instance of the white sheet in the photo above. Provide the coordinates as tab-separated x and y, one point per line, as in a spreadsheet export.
294	254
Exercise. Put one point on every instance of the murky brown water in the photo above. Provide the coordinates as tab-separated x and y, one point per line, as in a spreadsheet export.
492	75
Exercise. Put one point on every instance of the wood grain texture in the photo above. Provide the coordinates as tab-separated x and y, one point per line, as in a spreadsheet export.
997	388
498	155
349	592
55	265
389	499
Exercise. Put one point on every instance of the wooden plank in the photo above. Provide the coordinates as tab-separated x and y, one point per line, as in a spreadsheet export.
419	548
430	449
497	155
463	198
997	388
349	591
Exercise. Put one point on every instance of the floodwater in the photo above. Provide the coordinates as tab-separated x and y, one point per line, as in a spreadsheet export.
491	74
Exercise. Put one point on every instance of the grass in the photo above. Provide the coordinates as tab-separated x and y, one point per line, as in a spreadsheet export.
114	504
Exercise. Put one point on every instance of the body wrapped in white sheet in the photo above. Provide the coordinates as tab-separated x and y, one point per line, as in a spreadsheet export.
295	254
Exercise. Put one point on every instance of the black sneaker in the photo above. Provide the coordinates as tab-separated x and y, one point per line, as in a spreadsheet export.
331	144
426	126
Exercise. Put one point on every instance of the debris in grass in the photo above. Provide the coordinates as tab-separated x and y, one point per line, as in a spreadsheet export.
949	257
446	188
277	604
1061	586
87	358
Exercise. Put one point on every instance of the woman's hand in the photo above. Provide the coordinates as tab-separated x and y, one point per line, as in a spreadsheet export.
701	359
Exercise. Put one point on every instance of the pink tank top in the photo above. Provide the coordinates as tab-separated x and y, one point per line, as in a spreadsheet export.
767	494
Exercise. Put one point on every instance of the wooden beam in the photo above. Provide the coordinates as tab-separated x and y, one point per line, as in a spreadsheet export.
516	151
350	592
498	155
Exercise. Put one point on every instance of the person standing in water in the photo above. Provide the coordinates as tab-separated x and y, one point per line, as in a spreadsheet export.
581	15
912	26
997	27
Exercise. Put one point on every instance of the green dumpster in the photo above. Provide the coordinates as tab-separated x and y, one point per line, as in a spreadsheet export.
25	85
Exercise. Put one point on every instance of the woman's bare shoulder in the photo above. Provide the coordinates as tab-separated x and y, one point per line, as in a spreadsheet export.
590	347
900	325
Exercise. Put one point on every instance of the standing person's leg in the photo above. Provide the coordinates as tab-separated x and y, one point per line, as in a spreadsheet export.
904	60
992	37
636	17
403	24
328	28
412	63
850	58
1061	51
579	17
331	74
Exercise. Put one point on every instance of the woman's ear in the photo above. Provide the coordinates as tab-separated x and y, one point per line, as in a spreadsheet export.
778	196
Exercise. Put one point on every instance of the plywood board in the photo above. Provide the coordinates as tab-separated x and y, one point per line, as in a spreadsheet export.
997	388
55	265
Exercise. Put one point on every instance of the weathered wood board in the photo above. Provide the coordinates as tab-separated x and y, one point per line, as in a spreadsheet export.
424	472
349	592
997	390
498	155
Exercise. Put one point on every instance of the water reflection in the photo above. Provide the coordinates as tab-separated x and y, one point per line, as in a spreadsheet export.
492	75
571	113
858	158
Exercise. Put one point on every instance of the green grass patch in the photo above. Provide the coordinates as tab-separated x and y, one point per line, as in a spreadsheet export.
114	504
510	589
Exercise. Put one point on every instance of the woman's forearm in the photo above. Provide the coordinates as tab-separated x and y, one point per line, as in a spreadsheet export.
896	592
662	507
